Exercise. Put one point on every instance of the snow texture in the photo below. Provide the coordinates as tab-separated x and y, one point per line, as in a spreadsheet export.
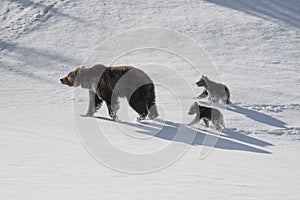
255	47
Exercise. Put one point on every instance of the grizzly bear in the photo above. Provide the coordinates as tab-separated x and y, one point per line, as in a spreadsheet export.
109	83
215	91
207	114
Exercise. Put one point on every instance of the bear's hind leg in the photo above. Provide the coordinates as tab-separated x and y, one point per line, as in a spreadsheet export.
141	109
113	108
151	103
206	122
139	104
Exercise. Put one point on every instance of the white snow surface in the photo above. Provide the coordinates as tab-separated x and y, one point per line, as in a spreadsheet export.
255	48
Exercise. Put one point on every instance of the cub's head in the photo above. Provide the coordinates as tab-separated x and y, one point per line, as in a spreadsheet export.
202	81
72	78
194	108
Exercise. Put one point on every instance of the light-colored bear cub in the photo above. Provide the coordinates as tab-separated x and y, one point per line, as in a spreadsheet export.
207	114
216	92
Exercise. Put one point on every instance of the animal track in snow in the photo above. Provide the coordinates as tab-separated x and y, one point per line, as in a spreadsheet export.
20	17
273	108
293	132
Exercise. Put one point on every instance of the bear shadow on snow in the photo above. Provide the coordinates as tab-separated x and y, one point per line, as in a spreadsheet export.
168	131
257	116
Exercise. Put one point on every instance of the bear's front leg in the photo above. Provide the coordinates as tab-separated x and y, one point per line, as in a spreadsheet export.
94	104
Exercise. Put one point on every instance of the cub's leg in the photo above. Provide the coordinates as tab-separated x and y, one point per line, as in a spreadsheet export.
217	125
222	122
210	98
195	121
226	100
206	122
204	94
215	99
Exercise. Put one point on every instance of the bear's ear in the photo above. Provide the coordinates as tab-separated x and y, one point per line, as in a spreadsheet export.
79	69
195	103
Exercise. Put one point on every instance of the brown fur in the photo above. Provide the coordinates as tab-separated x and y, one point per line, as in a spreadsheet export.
109	83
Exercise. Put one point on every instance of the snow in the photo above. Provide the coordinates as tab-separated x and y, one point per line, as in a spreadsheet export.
49	151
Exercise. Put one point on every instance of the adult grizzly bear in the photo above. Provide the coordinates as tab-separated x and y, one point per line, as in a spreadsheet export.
109	83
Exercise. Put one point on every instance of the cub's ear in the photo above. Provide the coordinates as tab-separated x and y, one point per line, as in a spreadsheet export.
195	103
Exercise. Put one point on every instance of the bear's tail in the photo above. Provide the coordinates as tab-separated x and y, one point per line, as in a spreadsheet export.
151	102
228	95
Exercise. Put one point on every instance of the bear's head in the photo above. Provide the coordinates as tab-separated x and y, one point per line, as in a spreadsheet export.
72	78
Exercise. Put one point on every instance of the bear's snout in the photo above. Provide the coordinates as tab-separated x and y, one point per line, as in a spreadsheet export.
65	81
200	83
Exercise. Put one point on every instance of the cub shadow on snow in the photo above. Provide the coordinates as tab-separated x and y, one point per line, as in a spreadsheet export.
257	116
251	114
168	131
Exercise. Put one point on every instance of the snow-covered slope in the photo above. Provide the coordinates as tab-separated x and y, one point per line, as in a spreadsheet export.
255	47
